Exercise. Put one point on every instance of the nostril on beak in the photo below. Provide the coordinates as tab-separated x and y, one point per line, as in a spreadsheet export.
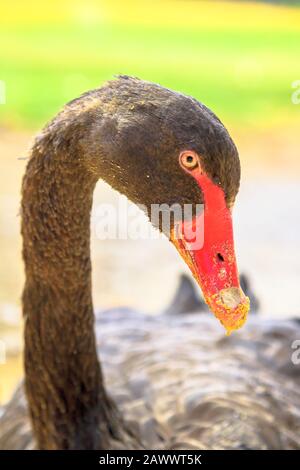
220	257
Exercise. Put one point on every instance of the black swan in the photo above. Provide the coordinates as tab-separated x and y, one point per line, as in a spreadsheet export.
173	381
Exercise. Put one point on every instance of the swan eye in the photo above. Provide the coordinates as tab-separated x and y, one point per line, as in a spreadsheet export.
189	159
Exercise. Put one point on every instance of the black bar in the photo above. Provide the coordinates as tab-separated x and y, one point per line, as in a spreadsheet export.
142	459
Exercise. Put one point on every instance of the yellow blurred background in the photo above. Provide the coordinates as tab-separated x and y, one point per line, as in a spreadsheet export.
239	58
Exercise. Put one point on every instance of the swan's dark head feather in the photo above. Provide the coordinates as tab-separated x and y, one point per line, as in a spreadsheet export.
132	132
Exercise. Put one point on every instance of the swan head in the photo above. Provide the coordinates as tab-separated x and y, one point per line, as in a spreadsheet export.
164	149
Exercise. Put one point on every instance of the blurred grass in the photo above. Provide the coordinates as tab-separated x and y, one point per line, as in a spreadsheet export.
10	374
238	58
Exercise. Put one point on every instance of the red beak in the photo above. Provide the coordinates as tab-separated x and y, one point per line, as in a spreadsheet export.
206	244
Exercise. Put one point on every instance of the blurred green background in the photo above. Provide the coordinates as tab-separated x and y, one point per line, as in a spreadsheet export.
239	58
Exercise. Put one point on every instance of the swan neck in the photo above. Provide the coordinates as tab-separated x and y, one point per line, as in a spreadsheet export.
64	386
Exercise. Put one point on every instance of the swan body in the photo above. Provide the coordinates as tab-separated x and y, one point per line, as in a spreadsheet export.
181	384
